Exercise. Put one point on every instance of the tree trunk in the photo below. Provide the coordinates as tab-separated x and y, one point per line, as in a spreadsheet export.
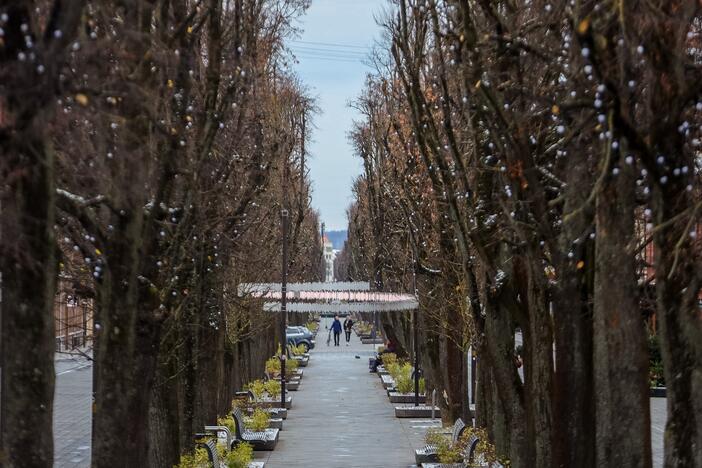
126	355
28	268
499	337
538	364
623	437
452	377
677	290
164	419
573	427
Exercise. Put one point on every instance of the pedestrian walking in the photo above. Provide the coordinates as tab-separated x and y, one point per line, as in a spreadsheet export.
348	324
336	328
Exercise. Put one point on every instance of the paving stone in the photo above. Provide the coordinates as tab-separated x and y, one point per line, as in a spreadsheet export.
72	415
341	417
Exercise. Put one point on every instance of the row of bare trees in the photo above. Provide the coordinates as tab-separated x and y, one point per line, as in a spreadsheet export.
520	158
147	150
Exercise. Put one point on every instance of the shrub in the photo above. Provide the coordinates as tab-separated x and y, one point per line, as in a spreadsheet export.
399	370
449	453
298	350
228	422
393	369
259	420
197	459
655	373
444	450
240	456
485	452
291	365
257	387
363	328
273	366
273	388
312	326
388	359
404	383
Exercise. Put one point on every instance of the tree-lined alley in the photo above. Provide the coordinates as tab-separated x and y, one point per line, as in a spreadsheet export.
531	169
536	166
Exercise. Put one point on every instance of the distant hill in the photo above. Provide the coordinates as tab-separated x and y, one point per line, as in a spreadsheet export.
337	238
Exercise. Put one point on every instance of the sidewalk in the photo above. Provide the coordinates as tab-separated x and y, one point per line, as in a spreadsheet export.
72	413
341	416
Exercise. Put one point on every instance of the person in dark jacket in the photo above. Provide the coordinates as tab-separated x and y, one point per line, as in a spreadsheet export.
348	324
336	328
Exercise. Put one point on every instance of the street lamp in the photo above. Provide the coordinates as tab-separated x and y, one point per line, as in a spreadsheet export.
283	307
415	326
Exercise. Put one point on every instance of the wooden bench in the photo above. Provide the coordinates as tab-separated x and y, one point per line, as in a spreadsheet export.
429	454
264	440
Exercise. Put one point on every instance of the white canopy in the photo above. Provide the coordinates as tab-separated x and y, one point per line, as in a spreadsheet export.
332	297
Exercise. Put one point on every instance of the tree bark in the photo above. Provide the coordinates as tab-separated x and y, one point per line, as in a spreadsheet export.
623	423
677	288
573	427
28	267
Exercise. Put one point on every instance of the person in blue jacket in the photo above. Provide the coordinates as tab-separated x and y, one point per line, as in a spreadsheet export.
336	328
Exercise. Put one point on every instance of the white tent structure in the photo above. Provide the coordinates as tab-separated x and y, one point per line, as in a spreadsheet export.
329	297
334	297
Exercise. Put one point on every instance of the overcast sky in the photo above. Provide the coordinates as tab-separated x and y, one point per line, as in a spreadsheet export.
337	35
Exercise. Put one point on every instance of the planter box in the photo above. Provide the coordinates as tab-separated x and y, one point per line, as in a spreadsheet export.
276	423
411	411
278	413
273	403
657	392
256	464
442	465
396	397
382	371
289	377
293	385
275	413
388	381
302	362
372	341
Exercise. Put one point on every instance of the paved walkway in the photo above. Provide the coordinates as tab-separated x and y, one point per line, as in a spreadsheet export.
341	416
72	412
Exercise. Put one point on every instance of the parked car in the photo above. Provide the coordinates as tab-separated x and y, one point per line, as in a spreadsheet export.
298	335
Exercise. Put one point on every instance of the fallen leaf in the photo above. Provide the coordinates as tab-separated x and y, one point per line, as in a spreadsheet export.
82	99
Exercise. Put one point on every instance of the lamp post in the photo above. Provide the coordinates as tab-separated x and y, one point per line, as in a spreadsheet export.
283	308
415	326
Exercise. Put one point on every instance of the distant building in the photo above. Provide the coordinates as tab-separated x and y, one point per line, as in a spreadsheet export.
329	256
73	316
